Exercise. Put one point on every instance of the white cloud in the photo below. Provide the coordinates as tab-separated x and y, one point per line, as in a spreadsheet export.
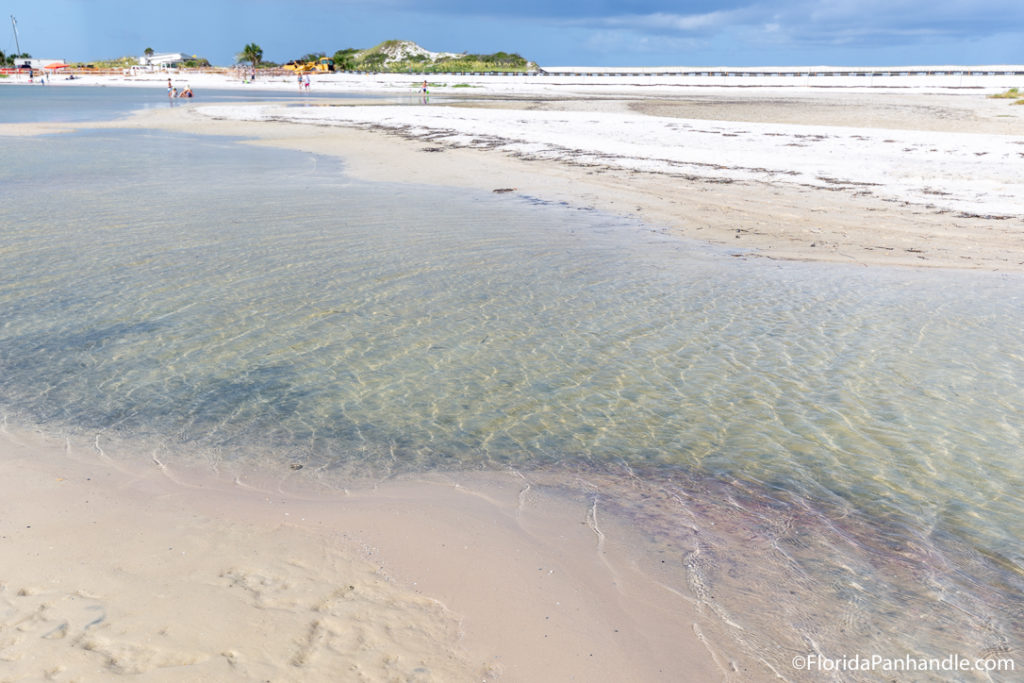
624	41
820	21
664	21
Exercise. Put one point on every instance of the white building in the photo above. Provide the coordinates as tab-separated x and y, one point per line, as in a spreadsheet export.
162	59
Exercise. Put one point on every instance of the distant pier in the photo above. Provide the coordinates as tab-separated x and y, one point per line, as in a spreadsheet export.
822	76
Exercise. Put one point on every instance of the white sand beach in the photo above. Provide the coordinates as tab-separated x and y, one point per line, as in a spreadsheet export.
770	183
168	574
914	176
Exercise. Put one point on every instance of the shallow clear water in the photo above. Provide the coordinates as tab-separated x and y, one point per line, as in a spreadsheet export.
20	103
835	450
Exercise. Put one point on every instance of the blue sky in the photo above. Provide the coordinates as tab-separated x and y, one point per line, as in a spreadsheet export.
551	32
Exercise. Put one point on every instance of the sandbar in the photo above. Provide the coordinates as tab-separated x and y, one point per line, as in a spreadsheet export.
868	177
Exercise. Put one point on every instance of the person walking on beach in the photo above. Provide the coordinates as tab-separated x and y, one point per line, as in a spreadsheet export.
307	82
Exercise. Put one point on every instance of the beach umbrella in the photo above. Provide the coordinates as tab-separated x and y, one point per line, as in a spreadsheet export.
56	65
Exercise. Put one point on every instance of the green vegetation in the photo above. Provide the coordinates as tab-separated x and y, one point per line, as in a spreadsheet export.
118	63
8	60
1011	94
193	62
391	56
251	53
499	61
345	60
401	56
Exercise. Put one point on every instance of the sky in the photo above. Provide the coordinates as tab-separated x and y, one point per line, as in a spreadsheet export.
549	32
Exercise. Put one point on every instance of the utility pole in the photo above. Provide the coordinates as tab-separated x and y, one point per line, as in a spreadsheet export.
14	24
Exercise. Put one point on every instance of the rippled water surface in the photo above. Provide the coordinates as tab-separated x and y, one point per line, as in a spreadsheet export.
837	448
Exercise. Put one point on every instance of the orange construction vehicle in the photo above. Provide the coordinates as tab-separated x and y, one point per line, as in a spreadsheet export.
323	65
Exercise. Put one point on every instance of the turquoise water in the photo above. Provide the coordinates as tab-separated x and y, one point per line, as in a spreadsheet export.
831	453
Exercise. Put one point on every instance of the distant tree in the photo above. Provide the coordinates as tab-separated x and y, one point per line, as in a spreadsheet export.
148	52
252	53
12	59
3	58
345	60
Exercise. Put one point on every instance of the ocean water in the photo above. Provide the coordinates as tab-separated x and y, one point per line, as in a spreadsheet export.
59	104
832	455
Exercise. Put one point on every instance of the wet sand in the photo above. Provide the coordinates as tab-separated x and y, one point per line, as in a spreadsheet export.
148	568
843	220
852	216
